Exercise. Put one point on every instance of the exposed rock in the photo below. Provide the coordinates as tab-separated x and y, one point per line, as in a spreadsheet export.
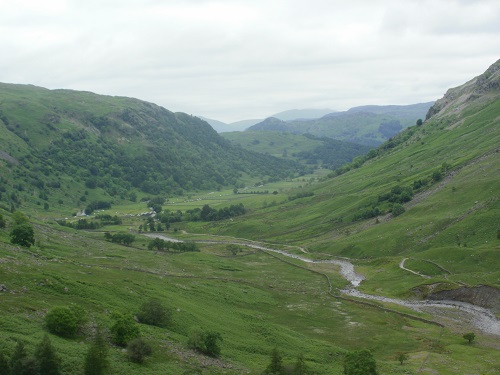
3	288
483	295
5	156
476	88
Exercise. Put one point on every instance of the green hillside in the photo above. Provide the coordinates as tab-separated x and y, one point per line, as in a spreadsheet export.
443	173
367	125
308	149
52	139
418	217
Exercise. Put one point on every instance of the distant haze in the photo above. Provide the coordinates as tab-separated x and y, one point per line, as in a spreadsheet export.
232	60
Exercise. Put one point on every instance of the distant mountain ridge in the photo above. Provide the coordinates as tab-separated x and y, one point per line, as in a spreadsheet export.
292	114
367	125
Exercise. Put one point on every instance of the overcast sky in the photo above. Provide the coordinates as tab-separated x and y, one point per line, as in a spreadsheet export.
238	59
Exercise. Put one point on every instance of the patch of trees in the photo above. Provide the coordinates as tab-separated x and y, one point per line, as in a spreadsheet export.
182	153
91	224
44	360
393	200
397	194
99	205
80	224
109	220
367	214
277	367
208	213
181	247
252	192
121	238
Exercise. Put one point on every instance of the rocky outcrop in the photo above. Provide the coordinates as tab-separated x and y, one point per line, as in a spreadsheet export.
482	86
483	295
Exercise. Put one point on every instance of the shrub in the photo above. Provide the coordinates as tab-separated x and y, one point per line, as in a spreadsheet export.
469	337
138	350
206	342
397	209
63	321
154	313
360	362
23	235
124	329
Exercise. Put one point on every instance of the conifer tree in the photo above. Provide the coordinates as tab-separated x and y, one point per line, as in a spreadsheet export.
4	365
18	358
47	358
96	360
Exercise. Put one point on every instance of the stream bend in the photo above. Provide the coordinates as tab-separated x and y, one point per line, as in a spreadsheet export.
481	318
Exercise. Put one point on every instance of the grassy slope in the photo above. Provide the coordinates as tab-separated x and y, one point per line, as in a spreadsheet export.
273	143
462	210
117	144
258	302
255	301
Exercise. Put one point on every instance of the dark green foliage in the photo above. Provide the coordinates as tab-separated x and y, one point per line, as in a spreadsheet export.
206	342
48	361
4	365
360	362
165	152
3	223
23	235
275	367
124	329
96	359
402	358
397	209
419	122
123	238
398	194
138	350
300	367
80	224
108	219
437	175
470	336
63	321
18	359
212	347
99	205
180	247
154	313
208	213
367	214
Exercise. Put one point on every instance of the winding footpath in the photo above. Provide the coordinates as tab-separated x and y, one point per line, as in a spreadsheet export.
461	312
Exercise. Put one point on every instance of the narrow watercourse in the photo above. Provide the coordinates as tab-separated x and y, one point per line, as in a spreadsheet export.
468	314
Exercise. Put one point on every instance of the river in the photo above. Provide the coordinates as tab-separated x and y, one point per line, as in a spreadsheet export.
462	313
